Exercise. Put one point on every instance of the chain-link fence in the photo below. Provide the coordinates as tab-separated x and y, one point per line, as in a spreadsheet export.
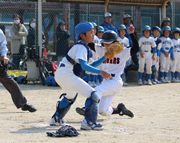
71	14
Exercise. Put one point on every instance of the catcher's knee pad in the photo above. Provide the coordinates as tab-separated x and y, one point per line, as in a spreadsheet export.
92	107
63	106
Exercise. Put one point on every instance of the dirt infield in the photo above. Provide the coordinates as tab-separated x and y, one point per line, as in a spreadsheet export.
156	110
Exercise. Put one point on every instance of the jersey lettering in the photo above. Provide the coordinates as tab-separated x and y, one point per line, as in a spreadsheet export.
112	61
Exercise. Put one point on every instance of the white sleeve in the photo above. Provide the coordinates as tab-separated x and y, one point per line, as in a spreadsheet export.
140	42
127	42
153	43
159	46
172	45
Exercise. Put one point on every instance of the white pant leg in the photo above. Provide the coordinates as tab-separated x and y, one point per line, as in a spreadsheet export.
163	62
148	62
178	64
168	61
106	91
141	64
154	61
72	84
105	108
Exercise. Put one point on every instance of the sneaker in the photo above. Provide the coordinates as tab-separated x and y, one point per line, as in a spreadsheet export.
140	82
166	80
177	80
90	83
173	80
56	121
149	82
163	80
81	111
154	82
28	107
145	82
157	81
86	126
125	84
124	111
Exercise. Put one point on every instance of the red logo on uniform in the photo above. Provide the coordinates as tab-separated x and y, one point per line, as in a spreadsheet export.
112	61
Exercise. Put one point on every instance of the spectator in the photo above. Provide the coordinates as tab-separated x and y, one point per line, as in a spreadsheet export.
31	35
107	23
8	82
62	41
18	34
127	22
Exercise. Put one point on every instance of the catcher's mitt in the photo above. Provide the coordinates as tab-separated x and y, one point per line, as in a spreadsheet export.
64	131
114	49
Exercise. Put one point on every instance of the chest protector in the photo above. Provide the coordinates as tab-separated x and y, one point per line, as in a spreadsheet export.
77	67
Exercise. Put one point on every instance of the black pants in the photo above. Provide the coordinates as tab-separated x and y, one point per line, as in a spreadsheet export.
13	88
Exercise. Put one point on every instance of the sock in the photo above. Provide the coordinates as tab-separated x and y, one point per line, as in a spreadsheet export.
149	76
172	75
176	74
100	78
88	77
93	78
116	111
162	75
140	75
165	74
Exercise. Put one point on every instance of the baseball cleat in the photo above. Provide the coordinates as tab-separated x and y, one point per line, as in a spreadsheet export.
154	82
124	110
125	84
140	82
163	80
157	81
86	126
173	80
145	82
166	80
28	107
56	121
81	111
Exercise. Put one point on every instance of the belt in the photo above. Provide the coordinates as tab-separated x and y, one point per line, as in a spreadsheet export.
146	51
62	65
176	51
166	48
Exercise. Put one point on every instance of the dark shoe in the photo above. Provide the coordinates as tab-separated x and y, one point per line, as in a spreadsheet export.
81	111
124	111
28	107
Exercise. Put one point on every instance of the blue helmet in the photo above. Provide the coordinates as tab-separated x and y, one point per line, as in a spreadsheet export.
146	27
21	79
156	28
49	80
100	29
82	27
176	30
166	28
54	82
122	26
94	24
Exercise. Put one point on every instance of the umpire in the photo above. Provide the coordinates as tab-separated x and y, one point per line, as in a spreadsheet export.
8	82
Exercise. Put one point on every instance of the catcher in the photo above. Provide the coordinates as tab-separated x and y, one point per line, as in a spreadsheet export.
109	88
76	60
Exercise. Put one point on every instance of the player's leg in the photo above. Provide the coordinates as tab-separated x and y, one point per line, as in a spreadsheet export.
157	68
162	69
177	68
173	67
148	67
168	61
141	69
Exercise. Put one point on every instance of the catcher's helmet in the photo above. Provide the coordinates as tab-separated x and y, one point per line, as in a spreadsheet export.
156	28
176	30
109	37
166	28
146	27
122	26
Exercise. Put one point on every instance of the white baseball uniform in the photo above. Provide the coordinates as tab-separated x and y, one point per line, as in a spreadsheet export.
175	65
109	88
156	61
165	61
64	76
146	45
125	42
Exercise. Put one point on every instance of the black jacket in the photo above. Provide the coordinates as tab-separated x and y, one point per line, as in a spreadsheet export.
62	42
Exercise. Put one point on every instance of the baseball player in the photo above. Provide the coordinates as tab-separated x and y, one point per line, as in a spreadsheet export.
67	76
175	66
155	63
166	50
109	88
125	42
146	45
100	32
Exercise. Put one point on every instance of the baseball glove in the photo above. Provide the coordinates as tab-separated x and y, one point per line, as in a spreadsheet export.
114	49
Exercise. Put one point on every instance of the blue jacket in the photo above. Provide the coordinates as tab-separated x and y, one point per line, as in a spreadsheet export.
109	27
128	36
